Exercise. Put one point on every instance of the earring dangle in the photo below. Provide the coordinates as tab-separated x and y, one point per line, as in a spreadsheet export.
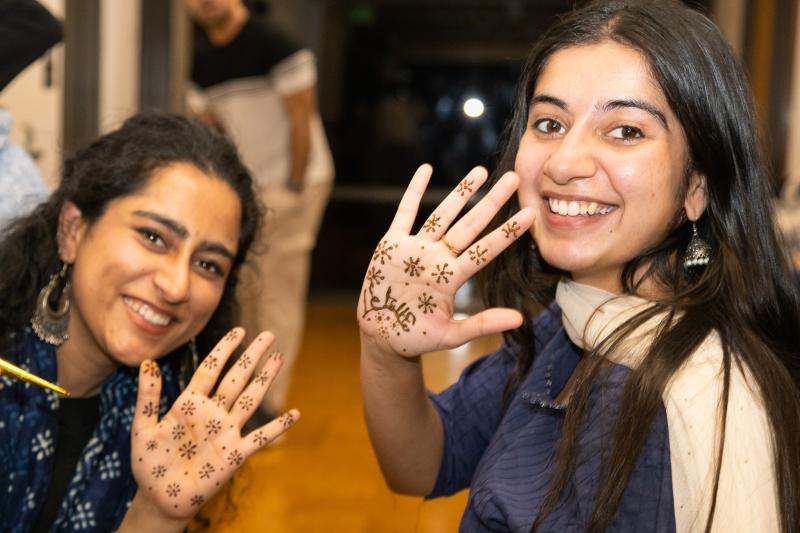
698	253
49	324
195	356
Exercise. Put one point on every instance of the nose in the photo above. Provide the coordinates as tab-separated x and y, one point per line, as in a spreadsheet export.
573	157
172	279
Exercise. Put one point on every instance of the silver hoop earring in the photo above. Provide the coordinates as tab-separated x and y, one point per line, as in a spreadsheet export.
51	325
698	253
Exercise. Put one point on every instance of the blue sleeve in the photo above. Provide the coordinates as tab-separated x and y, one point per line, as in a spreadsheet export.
470	410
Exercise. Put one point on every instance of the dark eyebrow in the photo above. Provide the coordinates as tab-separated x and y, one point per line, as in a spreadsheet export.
638	104
180	230
547	99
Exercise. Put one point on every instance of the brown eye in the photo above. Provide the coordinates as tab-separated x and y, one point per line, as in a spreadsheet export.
549	126
626	133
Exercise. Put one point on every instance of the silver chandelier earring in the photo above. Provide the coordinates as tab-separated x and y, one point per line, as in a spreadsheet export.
49	324
698	253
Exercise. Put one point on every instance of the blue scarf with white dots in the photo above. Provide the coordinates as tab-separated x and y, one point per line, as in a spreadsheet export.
102	485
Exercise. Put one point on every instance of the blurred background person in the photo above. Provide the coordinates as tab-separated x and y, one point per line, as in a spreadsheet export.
259	87
27	30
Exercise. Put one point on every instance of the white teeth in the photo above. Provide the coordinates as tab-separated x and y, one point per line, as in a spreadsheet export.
574	209
147	312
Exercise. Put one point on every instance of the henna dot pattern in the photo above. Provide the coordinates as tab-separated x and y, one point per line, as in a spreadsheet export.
206	470
441	273
211	362
213	426
246	403
426	303
173	489
413	268
178	431
151	445
197	500
477	254
188	450
432	224
188	408
511	229
159	471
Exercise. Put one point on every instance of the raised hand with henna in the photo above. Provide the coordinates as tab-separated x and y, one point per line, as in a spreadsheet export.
407	299
183	459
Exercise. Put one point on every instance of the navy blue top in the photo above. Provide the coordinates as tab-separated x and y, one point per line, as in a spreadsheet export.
506	458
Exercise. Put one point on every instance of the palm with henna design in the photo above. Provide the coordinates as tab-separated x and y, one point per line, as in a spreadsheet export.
180	461
406	301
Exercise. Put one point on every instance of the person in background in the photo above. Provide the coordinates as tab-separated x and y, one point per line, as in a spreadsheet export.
27	30
112	288
260	89
650	381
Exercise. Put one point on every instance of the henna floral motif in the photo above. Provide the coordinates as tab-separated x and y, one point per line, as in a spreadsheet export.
426	303
210	362
511	229
151	369
382	252
159	471
441	273
246	403
465	186
230	336
374	276
220	399
413	268
206	470
173	489
188	408
262	378
245	361
286	420
235	458
478	255
259	438
197	500
151	445
149	409
432	224
213	426
178	431
188	450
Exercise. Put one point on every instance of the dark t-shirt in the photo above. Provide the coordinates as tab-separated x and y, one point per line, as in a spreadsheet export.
253	52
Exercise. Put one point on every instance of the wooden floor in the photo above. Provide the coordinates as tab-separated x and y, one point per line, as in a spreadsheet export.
324	477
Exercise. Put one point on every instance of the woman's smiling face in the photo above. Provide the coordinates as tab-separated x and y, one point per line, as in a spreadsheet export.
149	273
602	161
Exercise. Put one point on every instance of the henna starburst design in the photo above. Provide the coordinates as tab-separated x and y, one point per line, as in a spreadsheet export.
441	273
151	369
413	268
245	361
210	362
213	426
235	458
188	450
382	252
426	303
432	224
245	403
230	336
259	438
188	408
286	420
511	229
477	254
178	431
151	445
220	399
159	471
197	500
262	378
206	470
465	186
149	409
173	489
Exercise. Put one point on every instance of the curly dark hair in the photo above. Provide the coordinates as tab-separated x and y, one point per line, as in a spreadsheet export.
116	165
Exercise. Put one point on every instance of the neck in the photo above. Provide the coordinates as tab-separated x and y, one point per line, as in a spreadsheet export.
222	31
79	373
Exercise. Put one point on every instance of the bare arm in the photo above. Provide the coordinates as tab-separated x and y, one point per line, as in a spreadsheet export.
299	108
406	309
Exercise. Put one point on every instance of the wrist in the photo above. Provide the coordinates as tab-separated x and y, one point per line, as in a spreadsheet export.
143	515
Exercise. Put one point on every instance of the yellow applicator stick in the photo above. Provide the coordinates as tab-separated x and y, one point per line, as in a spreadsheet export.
24	375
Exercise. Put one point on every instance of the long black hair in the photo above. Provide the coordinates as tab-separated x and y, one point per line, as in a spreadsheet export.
746	294
116	165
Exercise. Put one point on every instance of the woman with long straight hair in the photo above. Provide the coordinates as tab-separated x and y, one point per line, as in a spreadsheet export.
649	379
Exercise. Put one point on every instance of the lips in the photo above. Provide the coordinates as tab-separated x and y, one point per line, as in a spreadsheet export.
575	208
150	315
